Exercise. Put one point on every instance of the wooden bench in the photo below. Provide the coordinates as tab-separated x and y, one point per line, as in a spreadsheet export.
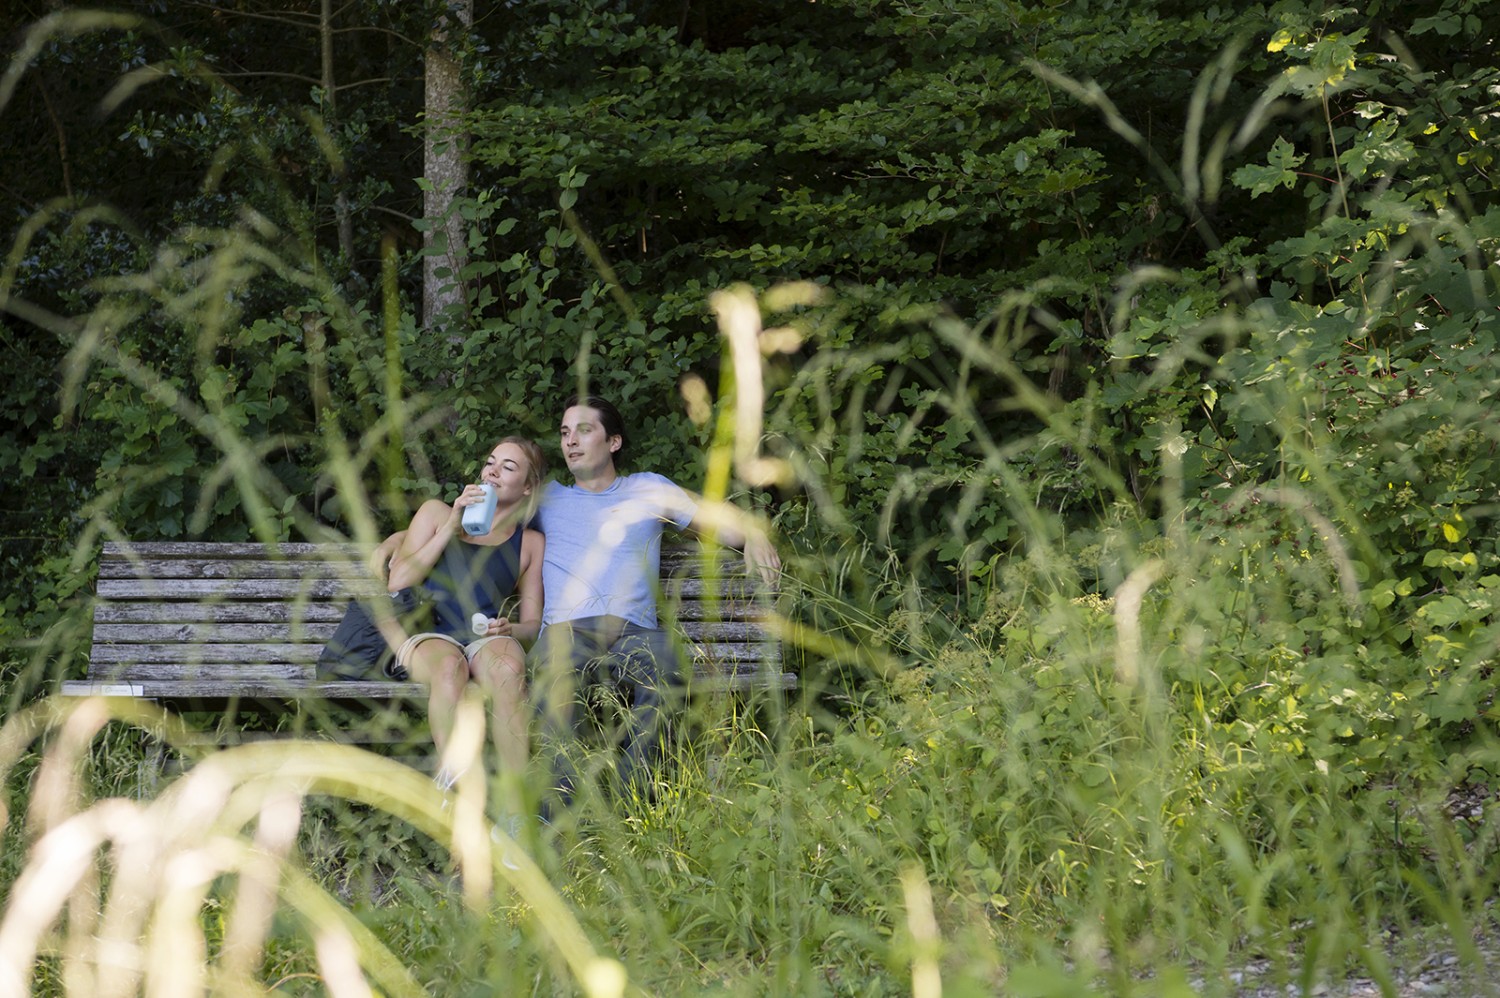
205	626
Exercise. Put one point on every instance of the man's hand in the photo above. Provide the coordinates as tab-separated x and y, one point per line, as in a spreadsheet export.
733	527
761	558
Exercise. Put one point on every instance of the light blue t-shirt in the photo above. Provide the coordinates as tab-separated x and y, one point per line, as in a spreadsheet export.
603	552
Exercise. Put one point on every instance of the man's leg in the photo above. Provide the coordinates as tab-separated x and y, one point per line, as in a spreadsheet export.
558	663
648	668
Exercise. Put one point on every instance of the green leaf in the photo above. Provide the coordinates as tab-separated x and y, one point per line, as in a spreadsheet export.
1445	611
1442	24
1282	162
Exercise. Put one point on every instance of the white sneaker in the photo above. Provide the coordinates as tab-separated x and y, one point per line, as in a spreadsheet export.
444	779
509	825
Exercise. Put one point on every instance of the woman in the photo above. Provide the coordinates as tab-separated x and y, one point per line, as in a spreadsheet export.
467	575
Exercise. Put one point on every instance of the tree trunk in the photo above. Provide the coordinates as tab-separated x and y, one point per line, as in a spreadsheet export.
445	167
330	117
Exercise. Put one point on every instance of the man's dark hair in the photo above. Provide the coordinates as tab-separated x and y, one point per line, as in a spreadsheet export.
609	417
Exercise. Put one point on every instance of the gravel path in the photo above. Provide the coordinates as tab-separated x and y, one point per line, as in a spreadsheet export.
1440	973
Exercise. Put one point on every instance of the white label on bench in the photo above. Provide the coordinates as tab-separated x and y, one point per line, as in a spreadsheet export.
116	690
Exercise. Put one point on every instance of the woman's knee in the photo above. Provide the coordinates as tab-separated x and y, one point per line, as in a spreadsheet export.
501	662
439	665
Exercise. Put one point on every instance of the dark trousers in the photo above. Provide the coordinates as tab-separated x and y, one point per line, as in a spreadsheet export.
570	658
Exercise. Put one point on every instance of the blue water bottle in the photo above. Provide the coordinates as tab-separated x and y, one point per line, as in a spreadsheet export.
476	520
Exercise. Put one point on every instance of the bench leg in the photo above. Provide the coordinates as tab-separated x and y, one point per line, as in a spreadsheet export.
153	764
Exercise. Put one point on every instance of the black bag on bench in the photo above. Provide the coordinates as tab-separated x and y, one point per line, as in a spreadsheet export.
358	651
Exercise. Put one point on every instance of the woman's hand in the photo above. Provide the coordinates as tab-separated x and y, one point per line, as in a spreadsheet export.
472	495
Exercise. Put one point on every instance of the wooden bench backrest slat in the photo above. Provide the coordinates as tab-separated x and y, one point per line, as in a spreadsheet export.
118	635
195	551
223	590
288	588
154	612
176	568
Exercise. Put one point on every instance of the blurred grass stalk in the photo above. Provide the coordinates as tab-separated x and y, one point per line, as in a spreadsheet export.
119	887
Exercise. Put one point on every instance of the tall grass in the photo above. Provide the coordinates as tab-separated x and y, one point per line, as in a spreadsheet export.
1033	752
1054	787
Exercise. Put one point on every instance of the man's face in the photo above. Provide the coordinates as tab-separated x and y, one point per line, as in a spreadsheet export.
587	449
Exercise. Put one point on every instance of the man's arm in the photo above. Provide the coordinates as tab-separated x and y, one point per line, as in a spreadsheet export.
733	527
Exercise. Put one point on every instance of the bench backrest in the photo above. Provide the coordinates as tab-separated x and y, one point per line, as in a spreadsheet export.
197	620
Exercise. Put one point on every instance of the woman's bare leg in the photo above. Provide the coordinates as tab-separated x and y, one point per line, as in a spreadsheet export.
442	668
499	668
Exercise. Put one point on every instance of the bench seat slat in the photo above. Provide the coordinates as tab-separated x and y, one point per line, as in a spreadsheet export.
239	688
248	688
107	634
186	657
292	681
286	673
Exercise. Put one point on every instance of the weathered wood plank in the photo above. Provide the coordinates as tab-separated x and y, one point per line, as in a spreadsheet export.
253	688
187	657
216	632
731	587
717	609
144	670
714	656
415	693
197	550
144	659
191	552
744	682
227	613
234	632
182	568
332	611
218	590
223	590
693	558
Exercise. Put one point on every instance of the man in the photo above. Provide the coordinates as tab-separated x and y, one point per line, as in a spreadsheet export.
599	574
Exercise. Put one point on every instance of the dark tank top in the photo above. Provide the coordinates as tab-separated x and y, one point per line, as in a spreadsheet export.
470	579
